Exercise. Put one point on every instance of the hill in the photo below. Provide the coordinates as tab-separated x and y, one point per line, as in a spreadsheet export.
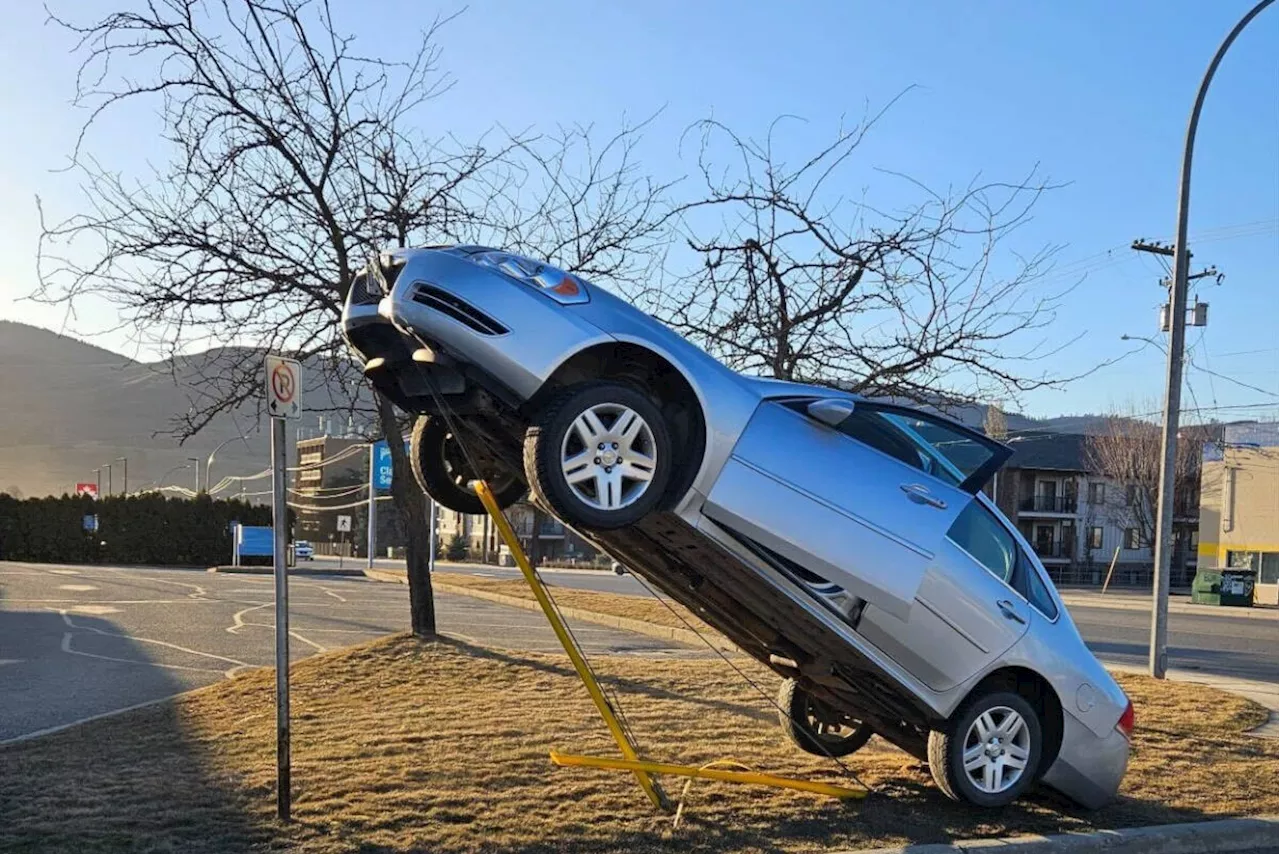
71	407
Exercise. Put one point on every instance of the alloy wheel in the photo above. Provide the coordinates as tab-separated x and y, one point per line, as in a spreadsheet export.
996	749
608	456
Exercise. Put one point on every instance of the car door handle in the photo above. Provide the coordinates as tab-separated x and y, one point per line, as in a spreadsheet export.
1010	612
920	493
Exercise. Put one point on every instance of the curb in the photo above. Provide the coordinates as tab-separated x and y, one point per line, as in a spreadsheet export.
640	627
293	570
1255	613
1202	837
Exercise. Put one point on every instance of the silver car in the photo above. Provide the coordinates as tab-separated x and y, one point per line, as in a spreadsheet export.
844	543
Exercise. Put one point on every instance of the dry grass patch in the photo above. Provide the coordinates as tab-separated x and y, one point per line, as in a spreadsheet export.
401	745
644	608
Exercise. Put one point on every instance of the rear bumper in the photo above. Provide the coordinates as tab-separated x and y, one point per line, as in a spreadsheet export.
1088	769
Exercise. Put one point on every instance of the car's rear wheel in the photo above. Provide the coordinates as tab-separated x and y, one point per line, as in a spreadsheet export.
444	472
989	751
599	455
815	727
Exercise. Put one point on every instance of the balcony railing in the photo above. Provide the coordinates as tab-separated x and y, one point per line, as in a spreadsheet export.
1056	549
1049	504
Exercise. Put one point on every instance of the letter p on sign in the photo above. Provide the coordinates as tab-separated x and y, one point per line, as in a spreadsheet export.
284	387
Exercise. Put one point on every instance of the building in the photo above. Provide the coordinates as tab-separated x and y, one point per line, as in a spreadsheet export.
330	474
1238	505
1078	521
556	544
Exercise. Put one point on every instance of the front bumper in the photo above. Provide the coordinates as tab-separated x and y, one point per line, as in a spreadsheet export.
1088	769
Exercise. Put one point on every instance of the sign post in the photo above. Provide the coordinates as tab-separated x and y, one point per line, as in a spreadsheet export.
284	388
373	505
344	528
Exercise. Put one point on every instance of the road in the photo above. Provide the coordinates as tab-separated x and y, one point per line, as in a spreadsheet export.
76	642
1220	644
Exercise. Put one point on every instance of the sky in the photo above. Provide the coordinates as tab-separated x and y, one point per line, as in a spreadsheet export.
1095	94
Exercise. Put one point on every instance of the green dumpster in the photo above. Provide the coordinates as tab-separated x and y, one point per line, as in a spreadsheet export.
1236	589
1205	587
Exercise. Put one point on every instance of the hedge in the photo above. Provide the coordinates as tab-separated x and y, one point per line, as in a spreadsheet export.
141	529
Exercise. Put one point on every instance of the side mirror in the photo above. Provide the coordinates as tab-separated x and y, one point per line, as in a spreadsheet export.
830	411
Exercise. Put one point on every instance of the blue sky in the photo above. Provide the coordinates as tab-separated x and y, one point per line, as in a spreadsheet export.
1096	93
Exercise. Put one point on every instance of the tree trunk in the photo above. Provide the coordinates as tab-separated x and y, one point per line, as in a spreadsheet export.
535	540
412	505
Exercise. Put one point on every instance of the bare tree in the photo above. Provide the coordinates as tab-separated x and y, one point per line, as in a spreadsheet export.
1126	450
798	281
294	159
290	165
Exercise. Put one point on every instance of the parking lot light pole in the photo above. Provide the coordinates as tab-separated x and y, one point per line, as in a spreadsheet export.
98	474
108	468
208	463
1173	386
196	460
124	479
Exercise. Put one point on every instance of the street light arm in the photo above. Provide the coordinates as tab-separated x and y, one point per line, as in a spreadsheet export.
208	463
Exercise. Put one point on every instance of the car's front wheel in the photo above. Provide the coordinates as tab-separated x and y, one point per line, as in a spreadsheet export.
988	753
445	474
599	455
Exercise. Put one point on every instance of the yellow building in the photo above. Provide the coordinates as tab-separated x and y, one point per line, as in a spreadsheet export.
1239	510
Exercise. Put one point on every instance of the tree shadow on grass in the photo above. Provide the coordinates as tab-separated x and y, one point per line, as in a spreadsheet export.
132	781
632	686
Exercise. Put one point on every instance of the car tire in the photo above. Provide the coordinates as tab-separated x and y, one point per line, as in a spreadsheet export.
442	470
796	714
980	729
631	438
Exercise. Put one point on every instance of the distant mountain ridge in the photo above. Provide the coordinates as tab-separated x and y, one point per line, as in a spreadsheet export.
69	407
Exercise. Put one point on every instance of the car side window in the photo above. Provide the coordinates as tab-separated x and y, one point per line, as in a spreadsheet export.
977	532
1037	593
871	428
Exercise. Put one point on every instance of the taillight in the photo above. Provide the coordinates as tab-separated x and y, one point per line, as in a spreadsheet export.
1125	724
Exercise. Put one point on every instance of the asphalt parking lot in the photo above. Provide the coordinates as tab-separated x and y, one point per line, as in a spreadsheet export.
77	642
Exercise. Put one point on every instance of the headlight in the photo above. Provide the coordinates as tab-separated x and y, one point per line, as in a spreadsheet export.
564	288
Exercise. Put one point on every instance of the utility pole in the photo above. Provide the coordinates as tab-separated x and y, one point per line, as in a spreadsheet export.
1173	382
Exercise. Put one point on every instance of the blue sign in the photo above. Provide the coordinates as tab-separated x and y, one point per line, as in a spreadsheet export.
255	541
382	464
90	523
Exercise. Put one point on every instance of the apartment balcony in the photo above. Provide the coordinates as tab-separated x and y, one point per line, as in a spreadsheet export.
1053	551
1059	505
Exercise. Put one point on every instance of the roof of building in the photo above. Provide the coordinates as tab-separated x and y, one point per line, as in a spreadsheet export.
1039	450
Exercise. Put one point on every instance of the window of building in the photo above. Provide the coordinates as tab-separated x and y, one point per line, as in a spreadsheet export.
1132	539
986	540
1097	493
1270	564
1095	537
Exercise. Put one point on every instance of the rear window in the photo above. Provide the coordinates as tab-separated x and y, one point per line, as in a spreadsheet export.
1037	593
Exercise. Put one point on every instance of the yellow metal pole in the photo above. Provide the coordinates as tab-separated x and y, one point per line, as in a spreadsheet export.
753	777
647	783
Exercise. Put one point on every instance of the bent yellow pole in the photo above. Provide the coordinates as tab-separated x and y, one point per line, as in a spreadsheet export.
647	783
751	777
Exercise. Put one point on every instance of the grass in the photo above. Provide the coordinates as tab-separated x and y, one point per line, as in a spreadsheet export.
645	608
402	745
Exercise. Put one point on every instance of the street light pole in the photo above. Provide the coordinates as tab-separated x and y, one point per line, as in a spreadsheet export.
1173	381
208	464
124	480
196	460
108	468
98	472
